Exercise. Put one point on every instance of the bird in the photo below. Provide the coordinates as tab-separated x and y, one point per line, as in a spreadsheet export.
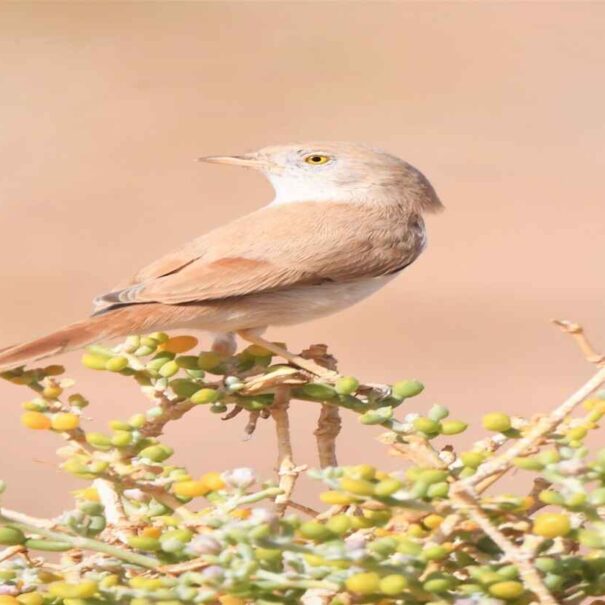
344	221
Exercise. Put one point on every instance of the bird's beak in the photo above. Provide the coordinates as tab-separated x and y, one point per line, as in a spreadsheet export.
247	160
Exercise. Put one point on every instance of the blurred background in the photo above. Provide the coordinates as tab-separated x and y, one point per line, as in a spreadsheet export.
105	107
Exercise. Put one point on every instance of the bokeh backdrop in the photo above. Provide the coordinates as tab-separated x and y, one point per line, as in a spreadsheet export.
105	106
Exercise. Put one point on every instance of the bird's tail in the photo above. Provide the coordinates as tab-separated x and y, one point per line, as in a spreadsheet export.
114	324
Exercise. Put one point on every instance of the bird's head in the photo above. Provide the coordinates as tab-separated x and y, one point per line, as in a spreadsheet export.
337	172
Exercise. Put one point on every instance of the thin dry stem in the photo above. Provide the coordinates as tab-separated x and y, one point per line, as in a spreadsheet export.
306	364
328	428
466	504
11	551
287	471
576	331
117	521
543	426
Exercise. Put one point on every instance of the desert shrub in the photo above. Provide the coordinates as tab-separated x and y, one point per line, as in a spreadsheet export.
144	530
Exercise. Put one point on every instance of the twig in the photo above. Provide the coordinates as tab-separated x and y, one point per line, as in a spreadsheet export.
114	511
543	426
328	428
303	508
285	463
178	568
577	333
11	551
317	596
414	448
466	503
38	526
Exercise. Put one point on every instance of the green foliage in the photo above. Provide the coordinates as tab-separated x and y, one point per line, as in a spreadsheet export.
144	530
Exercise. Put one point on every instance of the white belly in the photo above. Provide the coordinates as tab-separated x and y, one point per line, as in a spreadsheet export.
310	302
292	306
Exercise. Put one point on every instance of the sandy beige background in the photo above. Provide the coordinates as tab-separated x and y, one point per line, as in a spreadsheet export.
105	106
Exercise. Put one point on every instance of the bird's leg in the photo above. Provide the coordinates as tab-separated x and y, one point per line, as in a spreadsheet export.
224	343
306	364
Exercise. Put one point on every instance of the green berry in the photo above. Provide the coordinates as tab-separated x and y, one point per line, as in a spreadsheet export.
156	453
386	487
363	583
204	396
182	387
472	459
11	536
453	427
209	360
98	441
321	392
393	584
438	412
438	584
506	590
169	369
116	364
339	524
144	543
407	388
313	530
434	553
426	425
438	490
346	385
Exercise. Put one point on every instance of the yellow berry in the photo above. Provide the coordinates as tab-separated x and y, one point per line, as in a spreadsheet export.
144	543
109	581
229	600
190	489
241	513
81	590
577	433
94	361
432	521
64	422
496	421
213	481
339	524
36	421
179	344
506	590
360	487
151	532
88	493
363	583
6	599
52	392
336	498
551	525
30	598
393	584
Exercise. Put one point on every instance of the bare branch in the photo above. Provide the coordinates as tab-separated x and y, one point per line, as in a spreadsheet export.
576	331
328	428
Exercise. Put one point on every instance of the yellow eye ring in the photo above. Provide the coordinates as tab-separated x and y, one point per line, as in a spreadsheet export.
317	159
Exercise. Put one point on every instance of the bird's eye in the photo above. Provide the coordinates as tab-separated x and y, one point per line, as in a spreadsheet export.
317	159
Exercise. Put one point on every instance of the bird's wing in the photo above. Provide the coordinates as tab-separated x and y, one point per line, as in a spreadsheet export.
274	248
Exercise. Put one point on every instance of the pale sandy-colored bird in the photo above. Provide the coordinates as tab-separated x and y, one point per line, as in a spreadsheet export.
345	220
